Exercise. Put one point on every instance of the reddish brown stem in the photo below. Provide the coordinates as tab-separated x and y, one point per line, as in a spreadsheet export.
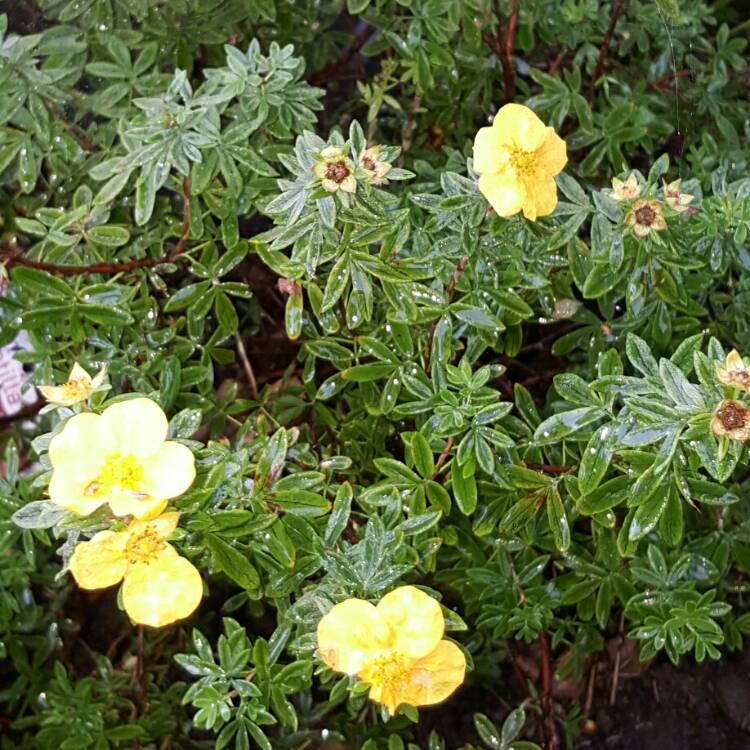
553	740
604	49
442	457
10	258
547	468
448	293
502	45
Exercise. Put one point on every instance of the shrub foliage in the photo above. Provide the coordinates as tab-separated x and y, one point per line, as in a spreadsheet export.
382	385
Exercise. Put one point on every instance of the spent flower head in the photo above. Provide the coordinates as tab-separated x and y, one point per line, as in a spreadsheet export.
517	159
676	200
627	190
159	586
120	457
79	386
646	216
734	372
731	419
396	647
335	170
373	166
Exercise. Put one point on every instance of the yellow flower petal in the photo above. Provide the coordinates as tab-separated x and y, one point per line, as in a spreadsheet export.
552	156
162	591
490	154
415	619
138	425
503	191
67	488
168	472
164	525
520	126
83	442
56	394
350	635
79	374
541	198
124	502
100	562
433	678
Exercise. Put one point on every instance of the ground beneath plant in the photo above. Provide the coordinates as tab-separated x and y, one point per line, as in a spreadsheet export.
693	707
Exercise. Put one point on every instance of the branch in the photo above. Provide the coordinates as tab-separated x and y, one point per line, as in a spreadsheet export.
10	258
442	457
74	130
553	741
246	366
604	49
502	45
547	468
448	293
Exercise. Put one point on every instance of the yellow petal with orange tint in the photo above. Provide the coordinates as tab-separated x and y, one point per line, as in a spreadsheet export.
520	126
350	635
100	562
125	502
162	591
541	198
415	619
552	156
504	192
433	678
489	153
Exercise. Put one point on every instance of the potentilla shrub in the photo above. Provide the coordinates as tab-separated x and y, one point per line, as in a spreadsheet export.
352	351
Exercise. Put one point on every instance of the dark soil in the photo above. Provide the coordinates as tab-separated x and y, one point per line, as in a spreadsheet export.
693	707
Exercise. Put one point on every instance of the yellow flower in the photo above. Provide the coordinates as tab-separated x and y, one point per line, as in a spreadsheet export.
375	168
160	586
78	388
119	457
734	372
676	200
335	171
731	419
625	191
396	647
517	159
645	216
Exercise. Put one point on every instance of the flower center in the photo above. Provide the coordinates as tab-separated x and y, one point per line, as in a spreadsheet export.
74	389
645	215
144	546
368	163
337	171
523	162
732	416
388	672
125	472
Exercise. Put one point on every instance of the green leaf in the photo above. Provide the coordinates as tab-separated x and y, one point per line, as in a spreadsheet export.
233	563
422	455
41	282
464	487
39	514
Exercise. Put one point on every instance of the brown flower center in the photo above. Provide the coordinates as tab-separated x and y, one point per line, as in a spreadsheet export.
645	215
732	416
368	163
337	171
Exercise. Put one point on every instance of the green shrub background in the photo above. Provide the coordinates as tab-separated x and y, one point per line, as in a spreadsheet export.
512	414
